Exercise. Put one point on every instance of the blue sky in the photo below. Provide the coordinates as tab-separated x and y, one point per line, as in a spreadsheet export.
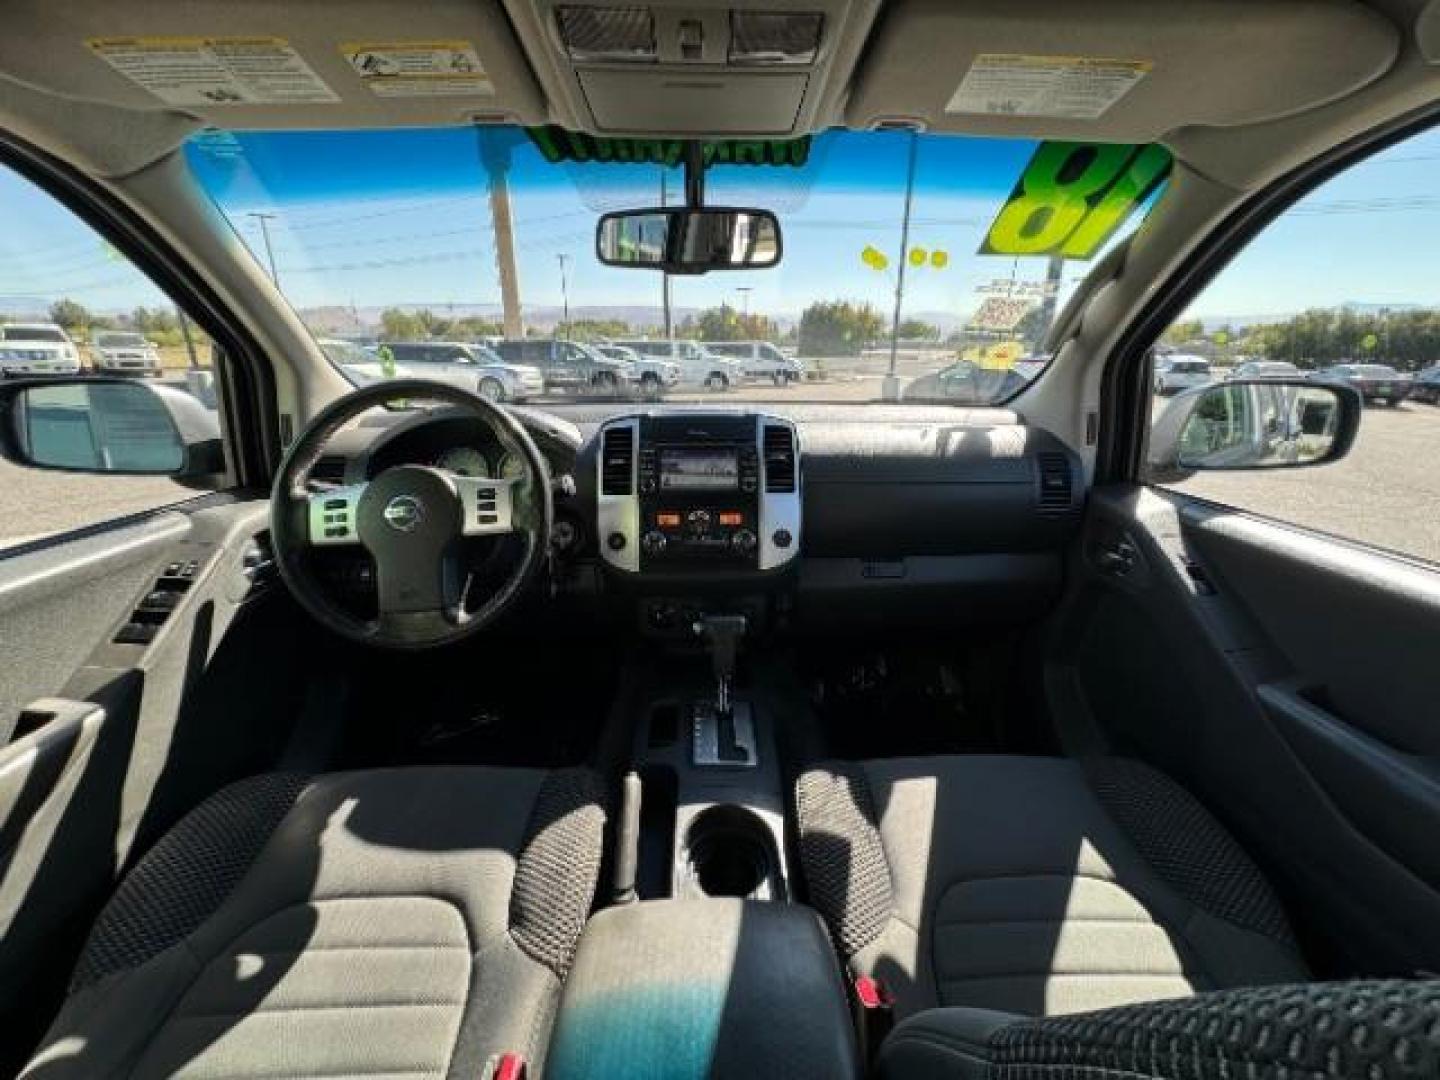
373	218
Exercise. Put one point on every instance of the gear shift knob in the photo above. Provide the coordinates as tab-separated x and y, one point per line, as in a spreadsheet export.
722	635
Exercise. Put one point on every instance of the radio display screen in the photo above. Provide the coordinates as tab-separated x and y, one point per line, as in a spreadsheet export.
699	469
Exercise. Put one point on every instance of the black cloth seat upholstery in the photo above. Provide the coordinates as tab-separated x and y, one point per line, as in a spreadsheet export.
1033	886
404	923
1381	1030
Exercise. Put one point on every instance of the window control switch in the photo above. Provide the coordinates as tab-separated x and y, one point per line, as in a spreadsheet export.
137	633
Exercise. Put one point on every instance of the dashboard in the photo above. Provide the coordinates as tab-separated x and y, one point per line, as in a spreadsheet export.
819	517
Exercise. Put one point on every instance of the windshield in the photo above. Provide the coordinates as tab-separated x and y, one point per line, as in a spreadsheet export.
112	339
406	237
30	333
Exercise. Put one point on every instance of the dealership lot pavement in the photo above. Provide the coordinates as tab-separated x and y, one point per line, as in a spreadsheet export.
1387	492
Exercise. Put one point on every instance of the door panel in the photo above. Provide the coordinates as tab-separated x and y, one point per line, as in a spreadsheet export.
1289	681
109	743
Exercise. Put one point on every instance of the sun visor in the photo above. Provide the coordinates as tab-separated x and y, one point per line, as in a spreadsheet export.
278	64
1125	71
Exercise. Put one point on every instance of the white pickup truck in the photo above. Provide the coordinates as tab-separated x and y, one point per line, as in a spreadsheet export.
124	352
761	360
37	349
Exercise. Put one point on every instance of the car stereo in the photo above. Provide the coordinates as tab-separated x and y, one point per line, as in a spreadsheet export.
694	491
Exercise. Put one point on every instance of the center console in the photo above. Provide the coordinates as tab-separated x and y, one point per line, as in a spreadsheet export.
694	989
693	494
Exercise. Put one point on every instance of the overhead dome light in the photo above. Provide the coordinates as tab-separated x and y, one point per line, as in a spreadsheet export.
769	37
607	34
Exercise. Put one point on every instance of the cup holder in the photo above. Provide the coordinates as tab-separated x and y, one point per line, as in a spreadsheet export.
729	852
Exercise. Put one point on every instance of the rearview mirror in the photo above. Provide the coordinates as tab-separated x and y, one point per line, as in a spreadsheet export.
689	241
1254	424
112	426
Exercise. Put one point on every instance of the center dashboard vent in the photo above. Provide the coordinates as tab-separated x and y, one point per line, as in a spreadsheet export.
617	462
779	451
1056	491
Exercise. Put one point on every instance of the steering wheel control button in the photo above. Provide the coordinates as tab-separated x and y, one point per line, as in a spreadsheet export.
615	541
743	541
782	538
653	542
404	513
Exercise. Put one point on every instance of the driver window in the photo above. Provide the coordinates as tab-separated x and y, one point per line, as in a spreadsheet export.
72	306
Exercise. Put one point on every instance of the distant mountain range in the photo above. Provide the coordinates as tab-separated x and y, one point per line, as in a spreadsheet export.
1359	307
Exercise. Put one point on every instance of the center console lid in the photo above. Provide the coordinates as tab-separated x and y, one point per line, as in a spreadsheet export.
704	988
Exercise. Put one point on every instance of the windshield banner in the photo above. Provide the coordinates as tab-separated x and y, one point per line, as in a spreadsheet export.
1072	197
558	145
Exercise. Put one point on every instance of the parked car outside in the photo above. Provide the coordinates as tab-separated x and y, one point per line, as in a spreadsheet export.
37	349
1426	386
471	367
656	376
965	382
360	365
1265	369
698	365
124	352
571	365
1376	382
761	360
1179	371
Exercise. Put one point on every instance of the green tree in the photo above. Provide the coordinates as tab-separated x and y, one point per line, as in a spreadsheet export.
1185	330
838	328
69	314
399	325
156	320
598	329
918	330
472	328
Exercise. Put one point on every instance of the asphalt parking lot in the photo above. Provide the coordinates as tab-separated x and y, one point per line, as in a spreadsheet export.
1386	493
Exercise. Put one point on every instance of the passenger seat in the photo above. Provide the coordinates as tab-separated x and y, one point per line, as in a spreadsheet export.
1033	886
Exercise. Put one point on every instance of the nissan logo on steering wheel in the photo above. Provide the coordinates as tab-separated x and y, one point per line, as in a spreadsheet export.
404	513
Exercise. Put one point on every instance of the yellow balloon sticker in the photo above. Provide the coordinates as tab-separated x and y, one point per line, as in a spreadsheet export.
918	256
939	260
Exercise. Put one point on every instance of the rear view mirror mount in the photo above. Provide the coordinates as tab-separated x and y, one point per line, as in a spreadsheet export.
1253	424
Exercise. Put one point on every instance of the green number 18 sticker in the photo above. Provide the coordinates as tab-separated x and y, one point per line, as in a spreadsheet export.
1073	196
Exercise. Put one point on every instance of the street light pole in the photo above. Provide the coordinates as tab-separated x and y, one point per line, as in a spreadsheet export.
564	293
744	291
265	220
890	389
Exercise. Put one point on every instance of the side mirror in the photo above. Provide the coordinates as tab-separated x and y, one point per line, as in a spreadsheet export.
1254	424
689	241
112	426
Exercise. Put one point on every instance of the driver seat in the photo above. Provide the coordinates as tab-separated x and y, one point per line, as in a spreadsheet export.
408	922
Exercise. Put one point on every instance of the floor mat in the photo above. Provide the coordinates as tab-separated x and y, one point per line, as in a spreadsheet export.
499	707
892	703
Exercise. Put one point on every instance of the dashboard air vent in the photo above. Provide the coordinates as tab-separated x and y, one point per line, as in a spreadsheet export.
617	462
1055	483
779	458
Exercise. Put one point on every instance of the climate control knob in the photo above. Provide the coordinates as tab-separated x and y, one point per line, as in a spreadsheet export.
743	541
653	542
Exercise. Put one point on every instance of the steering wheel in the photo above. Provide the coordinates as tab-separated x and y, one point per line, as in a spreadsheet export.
411	519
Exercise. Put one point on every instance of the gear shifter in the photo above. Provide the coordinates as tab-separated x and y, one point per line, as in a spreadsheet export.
721	737
722	634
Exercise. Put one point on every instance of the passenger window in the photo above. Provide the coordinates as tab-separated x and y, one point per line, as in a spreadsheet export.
1340	287
72	307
